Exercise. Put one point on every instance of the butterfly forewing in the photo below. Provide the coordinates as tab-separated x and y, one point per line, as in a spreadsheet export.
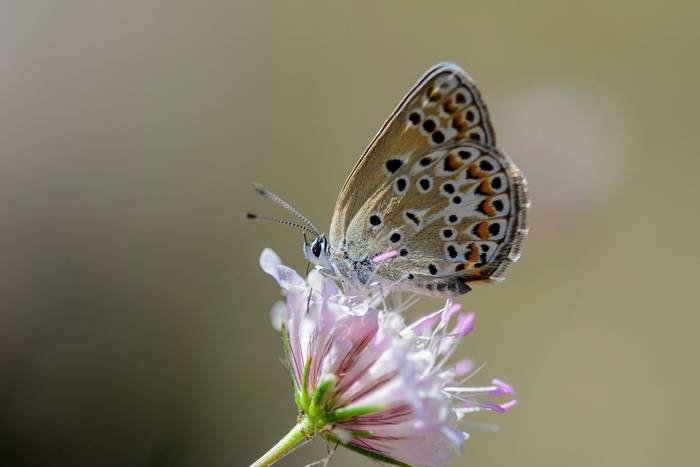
443	106
432	186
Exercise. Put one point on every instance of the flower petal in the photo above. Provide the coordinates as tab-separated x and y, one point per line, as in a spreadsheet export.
394	394
279	315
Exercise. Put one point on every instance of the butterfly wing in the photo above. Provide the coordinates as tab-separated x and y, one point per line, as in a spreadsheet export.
443	106
432	186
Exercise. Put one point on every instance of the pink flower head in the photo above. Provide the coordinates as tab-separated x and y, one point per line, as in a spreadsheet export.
366	380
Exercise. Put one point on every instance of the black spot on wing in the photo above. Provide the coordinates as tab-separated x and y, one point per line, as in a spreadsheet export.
452	251
401	184
486	166
392	165
412	217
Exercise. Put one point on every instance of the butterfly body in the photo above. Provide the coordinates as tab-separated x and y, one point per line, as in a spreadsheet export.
434	191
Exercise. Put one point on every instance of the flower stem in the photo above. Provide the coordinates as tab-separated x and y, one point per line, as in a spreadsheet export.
286	444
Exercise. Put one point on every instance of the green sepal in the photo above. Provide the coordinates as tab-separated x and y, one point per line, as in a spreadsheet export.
298	401
316	407
305	399
286	348
372	455
341	414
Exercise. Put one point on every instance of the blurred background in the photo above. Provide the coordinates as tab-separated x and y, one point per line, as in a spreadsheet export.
134	319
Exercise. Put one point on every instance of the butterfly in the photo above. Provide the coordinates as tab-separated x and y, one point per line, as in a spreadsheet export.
432	206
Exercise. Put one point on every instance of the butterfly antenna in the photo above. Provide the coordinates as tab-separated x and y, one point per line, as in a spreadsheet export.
255	217
276	199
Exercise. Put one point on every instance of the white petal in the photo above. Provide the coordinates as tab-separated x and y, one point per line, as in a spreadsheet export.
269	260
279	315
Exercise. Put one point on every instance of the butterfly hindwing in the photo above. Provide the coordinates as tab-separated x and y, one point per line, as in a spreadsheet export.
455	215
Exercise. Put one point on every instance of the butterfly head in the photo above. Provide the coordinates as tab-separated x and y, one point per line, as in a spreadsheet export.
318	252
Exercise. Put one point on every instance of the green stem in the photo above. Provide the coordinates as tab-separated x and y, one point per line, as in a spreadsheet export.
283	446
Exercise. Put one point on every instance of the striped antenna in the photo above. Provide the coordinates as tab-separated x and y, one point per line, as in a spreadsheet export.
255	217
264	192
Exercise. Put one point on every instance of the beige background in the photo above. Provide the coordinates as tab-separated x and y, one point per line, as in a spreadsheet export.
134	327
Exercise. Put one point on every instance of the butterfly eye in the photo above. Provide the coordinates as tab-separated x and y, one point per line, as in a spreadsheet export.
316	249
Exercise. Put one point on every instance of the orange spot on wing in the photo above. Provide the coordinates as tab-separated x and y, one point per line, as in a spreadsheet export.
452	162
485	187
460	125
475	172
448	107
487	208
483	232
473	255
433	94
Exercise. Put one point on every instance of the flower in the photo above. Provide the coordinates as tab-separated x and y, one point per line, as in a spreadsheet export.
366	380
